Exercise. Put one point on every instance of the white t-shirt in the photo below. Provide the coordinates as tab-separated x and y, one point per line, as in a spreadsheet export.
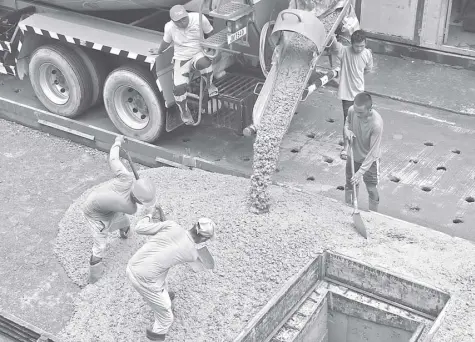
186	41
353	66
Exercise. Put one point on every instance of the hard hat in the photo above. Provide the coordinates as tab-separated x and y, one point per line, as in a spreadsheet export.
144	191
178	12
206	228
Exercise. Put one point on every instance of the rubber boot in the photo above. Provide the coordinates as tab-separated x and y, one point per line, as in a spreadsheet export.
373	205
349	195
212	89
154	336
185	113
96	269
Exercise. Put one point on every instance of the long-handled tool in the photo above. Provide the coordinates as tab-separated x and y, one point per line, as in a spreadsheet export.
358	221
130	160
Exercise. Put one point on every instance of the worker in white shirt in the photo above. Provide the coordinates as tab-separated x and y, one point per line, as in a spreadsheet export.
184	32
106	206
169	245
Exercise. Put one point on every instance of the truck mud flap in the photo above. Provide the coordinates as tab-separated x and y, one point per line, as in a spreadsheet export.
173	119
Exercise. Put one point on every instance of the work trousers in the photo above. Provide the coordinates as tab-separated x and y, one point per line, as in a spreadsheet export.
371	180
181	75
158	300
100	232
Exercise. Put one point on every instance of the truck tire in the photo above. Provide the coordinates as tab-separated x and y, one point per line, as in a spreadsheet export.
60	80
98	71
134	103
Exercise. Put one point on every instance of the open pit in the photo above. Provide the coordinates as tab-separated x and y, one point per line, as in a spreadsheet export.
256	255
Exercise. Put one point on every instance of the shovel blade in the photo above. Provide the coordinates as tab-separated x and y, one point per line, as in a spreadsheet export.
359	224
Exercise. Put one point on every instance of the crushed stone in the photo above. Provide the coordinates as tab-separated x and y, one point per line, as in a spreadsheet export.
291	75
255	255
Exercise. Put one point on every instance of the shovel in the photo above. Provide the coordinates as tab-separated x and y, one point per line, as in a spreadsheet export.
357	220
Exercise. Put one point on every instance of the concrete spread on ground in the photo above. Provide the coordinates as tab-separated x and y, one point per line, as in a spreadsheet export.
255	255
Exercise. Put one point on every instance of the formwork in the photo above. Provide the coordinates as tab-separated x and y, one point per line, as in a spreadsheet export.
13	329
338	299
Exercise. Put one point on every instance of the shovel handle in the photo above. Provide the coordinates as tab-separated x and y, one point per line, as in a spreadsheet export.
130	160
352	162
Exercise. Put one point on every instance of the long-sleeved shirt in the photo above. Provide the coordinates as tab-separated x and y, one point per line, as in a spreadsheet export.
368	134
353	68
170	245
113	196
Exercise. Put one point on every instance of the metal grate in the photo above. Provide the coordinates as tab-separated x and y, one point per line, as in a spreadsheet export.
217	40
231	11
236	86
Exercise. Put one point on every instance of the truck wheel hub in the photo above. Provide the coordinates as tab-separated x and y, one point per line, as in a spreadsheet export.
54	84
131	107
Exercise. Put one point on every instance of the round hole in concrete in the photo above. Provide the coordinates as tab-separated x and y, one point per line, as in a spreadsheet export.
246	158
414	207
426	188
311	135
328	160
186	140
310	178
457	220
470	199
277	170
456	151
295	150
217	159
428	143
414	161
341	143
340	187
394	179
330	120
441	168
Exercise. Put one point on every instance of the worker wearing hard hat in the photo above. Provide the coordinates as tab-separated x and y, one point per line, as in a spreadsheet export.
169	245
184	32
106	206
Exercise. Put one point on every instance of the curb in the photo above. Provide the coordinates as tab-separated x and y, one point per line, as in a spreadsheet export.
414	102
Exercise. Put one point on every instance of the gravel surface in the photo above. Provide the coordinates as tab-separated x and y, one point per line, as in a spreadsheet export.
292	72
255	255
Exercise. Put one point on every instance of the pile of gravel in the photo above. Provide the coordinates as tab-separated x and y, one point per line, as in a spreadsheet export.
255	255
290	82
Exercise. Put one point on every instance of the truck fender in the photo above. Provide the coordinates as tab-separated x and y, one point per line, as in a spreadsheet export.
29	43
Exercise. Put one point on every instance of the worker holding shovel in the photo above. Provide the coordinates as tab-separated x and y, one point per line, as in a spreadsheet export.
169	245
363	130
105	208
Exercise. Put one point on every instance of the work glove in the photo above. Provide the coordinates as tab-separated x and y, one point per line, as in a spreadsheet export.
120	139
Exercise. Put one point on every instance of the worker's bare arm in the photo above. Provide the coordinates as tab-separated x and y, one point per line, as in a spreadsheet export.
375	146
117	167
147	226
207	27
369	65
336	48
162	47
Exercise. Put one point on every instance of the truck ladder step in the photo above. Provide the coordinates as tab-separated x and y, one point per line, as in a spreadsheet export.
231	11
217	40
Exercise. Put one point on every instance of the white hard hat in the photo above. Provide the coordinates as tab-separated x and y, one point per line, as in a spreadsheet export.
144	191
206	227
178	12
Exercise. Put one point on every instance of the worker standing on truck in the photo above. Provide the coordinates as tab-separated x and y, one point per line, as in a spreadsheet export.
363	130
106	206
356	61
184	32
147	270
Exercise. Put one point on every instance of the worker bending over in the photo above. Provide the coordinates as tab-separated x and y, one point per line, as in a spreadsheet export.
105	208
364	130
147	270
356	61
184	31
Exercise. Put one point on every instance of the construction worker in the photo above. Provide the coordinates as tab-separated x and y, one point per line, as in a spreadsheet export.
363	130
356	61
105	208
147	270
184	32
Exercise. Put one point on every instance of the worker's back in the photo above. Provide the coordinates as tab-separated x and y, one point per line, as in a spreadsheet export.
110	198
169	247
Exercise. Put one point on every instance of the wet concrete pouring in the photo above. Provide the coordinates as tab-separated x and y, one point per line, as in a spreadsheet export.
427	168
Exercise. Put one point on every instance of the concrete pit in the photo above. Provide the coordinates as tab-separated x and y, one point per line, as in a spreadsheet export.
348	301
428	143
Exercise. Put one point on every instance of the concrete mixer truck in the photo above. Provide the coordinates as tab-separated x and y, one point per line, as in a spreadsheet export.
81	54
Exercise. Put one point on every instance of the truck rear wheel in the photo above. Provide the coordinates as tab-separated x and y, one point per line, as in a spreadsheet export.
134	104
98	71
60	80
